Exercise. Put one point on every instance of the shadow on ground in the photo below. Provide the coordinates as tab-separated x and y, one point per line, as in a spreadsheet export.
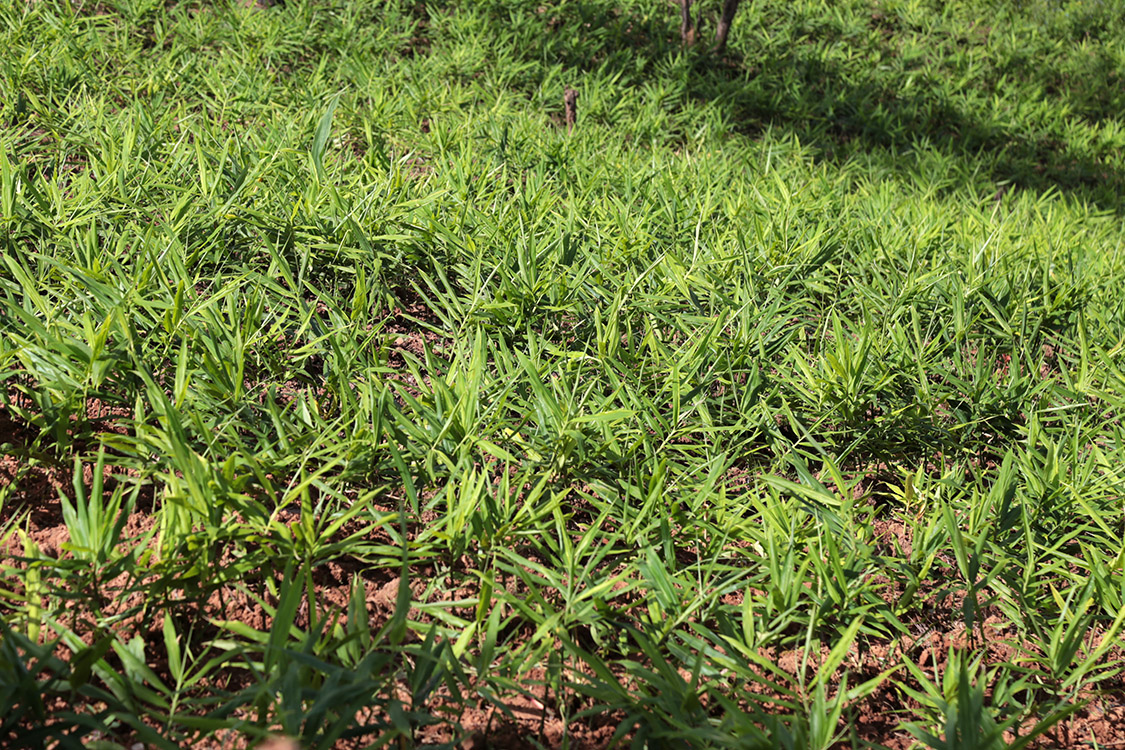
868	87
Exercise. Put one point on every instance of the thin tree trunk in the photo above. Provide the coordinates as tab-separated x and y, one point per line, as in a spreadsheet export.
570	104
730	7
687	25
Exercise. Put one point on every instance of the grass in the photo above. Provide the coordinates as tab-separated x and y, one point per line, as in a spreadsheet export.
349	396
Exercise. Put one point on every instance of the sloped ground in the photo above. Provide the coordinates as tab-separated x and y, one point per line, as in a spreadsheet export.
349	396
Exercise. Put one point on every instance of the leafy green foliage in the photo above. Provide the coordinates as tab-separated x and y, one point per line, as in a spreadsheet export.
385	397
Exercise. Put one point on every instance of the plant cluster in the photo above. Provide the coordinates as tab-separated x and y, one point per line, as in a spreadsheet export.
349	395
